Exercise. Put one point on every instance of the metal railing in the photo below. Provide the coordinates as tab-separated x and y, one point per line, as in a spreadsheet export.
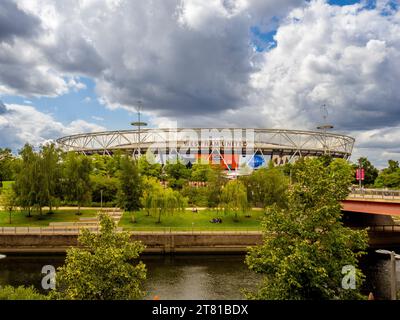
47	230
72	230
384	228
195	230
375	194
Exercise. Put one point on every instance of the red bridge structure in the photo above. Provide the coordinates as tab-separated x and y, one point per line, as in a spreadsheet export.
377	210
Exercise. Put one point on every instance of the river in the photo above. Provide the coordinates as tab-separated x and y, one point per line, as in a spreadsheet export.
193	277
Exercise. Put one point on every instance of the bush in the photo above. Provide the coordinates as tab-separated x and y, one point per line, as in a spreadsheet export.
20	293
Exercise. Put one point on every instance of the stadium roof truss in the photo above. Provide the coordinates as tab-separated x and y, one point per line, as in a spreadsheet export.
289	143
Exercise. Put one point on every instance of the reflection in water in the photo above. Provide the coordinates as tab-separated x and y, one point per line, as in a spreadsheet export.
169	277
193	277
198	277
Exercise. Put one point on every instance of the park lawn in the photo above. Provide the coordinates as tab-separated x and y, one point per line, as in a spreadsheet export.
20	219
7	184
188	221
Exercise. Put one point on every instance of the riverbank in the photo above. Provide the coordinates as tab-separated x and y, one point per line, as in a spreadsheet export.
167	242
155	242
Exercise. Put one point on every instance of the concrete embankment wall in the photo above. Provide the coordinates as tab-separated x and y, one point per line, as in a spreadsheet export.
166	242
155	242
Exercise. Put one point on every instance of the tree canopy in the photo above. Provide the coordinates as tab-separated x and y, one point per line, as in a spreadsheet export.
305	244
104	267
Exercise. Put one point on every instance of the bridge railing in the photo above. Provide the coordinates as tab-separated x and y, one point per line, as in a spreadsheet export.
384	228
374	194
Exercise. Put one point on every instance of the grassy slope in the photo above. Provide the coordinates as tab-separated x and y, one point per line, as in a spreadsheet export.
183	221
20	219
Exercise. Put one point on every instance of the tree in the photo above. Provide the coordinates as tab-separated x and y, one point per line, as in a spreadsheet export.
168	201
234	198
151	190
26	177
393	166
76	177
178	174
130	185
104	188
20	293
8	201
149	169
6	165
389	177
159	201
201	172
306	245
371	173
215	182
267	186
104	267
51	175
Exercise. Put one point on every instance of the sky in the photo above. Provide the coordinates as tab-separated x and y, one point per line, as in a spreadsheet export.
77	66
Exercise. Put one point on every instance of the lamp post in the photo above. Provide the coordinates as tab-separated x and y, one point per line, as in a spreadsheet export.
139	124
393	280
101	199
324	128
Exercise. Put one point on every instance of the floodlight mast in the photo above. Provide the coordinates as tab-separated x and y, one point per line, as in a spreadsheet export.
139	124
325	127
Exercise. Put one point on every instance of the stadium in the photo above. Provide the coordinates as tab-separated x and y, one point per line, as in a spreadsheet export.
231	147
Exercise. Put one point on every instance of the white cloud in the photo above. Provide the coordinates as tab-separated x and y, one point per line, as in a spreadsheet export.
97	118
20	124
193	62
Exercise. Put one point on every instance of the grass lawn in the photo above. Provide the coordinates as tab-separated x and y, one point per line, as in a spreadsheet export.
7	184
183	221
20	219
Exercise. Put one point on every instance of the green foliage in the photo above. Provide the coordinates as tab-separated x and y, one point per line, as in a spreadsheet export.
215	182
77	184
106	166
50	188
20	293
8	201
152	169
108	186
197	196
234	198
177	174
104	267
151	189
130	185
305	245
267	186
389	177
201	172
159	201
7	162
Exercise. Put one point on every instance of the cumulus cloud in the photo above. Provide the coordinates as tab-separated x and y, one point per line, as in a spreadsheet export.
20	124
15	22
177	56
345	57
194	61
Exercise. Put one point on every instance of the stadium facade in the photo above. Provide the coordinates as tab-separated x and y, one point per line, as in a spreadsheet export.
231	147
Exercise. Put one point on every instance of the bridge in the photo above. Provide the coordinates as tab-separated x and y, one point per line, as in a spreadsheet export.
377	210
373	201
